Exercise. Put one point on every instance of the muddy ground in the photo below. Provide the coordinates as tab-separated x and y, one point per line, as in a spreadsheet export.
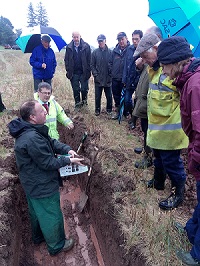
16	247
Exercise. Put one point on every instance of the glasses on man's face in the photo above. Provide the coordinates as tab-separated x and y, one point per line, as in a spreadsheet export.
135	39
45	92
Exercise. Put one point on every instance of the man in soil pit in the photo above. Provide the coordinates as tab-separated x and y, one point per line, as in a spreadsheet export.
38	168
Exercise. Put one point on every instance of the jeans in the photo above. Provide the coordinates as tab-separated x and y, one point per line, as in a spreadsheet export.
128	103
171	163
79	86
98	94
37	81
193	228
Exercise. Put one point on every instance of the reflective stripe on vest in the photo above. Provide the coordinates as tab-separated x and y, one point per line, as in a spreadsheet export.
165	127
51	119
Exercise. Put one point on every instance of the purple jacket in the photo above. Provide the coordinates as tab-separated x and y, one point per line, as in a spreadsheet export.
188	84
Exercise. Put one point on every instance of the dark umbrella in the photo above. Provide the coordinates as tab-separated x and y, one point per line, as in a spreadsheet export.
121	106
31	37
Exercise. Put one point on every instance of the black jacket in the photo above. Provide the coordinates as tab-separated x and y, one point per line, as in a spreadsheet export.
85	59
100	66
36	158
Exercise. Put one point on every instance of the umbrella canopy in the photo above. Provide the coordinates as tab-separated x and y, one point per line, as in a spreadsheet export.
178	18
31	37
121	106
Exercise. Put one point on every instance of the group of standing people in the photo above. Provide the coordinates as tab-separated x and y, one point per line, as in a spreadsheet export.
165	78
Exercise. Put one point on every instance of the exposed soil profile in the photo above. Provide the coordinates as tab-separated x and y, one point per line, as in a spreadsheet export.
98	238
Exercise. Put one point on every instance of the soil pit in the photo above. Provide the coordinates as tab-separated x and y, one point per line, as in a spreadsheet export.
98	238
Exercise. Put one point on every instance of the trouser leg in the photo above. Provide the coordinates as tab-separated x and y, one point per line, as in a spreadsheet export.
128	103
98	94
116	91
50	219
36	83
193	230
144	126
173	166
75	83
48	81
84	89
108	94
2	106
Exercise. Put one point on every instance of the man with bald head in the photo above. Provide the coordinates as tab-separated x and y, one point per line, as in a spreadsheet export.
78	70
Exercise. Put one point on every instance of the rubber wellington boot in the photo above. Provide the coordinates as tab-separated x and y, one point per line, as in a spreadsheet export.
175	199
158	181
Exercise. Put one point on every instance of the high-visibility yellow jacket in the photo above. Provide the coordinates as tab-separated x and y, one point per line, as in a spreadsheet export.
164	121
56	113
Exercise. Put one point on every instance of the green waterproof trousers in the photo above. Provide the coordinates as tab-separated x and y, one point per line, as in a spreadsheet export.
47	222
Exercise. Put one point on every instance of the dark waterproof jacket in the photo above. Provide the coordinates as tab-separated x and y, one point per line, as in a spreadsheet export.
85	58
130	76
140	109
35	156
100	66
39	56
117	61
189	85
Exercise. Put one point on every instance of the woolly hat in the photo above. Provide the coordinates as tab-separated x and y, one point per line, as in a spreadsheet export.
146	42
173	50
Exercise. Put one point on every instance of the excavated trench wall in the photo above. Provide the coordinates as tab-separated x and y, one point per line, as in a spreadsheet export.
15	236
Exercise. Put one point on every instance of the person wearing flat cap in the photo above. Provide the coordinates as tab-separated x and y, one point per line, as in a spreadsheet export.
165	134
102	76
178	63
116	65
43	62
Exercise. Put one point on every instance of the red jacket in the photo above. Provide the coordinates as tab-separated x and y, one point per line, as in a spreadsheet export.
189	85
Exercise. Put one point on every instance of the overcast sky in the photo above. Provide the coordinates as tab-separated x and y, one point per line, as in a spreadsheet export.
89	17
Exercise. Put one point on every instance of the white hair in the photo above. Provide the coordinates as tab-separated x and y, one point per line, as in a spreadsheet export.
150	50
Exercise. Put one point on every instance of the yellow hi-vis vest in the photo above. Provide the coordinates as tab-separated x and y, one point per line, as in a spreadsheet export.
164	120
56	113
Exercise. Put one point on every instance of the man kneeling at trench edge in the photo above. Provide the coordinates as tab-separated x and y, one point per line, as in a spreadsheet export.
38	168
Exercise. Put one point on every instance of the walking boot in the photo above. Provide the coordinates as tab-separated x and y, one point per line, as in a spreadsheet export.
158	181
175	199
115	115
187	258
144	163
132	124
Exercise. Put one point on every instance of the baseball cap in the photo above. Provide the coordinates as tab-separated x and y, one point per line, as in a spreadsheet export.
101	37
46	38
146	42
121	35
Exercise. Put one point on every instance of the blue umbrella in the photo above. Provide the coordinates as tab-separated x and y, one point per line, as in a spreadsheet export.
31	37
178	17
121	106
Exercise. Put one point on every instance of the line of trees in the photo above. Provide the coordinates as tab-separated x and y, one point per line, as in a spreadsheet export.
35	17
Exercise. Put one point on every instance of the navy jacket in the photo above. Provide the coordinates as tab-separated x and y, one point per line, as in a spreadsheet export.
130	74
117	61
39	56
